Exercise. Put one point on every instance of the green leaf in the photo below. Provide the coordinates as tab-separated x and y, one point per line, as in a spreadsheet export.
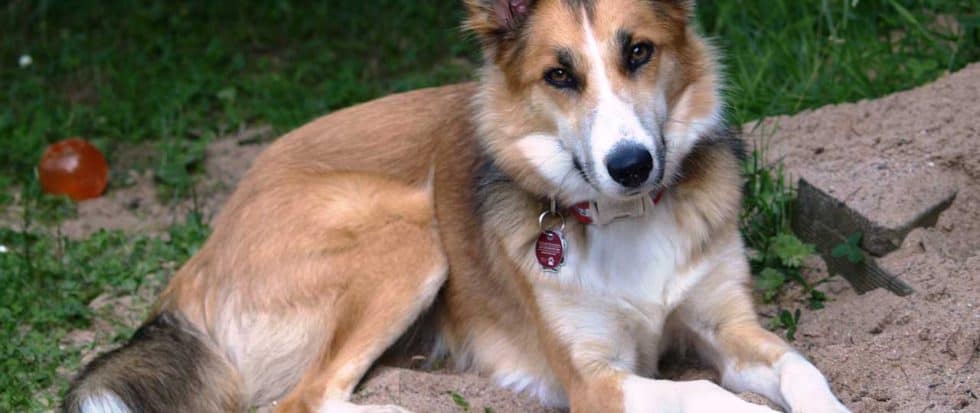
790	250
850	249
460	401
817	298
770	280
789	321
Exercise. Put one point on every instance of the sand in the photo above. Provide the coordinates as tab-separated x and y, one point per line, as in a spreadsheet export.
881	352
886	158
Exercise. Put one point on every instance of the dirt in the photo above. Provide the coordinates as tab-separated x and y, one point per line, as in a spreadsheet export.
888	158
881	352
136	207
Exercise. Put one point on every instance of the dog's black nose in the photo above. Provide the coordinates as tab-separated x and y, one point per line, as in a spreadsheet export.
629	164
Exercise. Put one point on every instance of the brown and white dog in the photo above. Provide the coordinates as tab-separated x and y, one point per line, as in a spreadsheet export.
562	222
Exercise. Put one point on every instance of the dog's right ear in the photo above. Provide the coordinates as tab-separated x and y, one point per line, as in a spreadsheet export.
497	20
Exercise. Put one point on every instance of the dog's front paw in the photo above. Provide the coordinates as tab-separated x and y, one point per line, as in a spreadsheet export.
664	396
804	388
338	406
823	406
389	408
703	396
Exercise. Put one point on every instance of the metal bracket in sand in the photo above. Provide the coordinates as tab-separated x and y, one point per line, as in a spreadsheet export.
826	222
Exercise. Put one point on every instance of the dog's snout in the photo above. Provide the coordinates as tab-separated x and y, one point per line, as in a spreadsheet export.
629	164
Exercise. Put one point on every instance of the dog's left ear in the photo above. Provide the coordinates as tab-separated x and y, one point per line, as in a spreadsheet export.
679	9
495	20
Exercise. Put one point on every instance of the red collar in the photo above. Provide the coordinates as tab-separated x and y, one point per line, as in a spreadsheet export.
587	212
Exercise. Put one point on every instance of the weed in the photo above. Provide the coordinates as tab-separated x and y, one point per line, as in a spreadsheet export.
178	165
461	402
788	321
850	249
778	255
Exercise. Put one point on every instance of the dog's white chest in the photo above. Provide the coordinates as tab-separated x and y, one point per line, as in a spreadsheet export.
619	283
644	260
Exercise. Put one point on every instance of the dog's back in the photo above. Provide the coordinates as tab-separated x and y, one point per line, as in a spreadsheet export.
236	325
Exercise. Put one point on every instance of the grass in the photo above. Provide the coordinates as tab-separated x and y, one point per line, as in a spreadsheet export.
167	78
48	281
787	56
122	71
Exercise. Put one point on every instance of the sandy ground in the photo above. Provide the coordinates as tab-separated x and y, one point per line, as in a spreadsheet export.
881	352
885	158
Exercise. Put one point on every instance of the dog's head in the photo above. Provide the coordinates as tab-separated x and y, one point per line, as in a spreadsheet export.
584	99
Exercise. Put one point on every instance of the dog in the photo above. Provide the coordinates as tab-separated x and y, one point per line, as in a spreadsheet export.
561	223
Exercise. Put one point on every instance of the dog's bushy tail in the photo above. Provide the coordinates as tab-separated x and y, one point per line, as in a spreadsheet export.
168	366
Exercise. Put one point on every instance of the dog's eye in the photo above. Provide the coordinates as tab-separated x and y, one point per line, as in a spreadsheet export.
560	78
638	55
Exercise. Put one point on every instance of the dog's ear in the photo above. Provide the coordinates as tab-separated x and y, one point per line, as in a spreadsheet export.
687	4
495	20
678	9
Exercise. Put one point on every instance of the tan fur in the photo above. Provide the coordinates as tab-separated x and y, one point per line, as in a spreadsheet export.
343	232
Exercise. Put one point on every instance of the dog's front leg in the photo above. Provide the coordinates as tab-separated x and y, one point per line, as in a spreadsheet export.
591	344
749	357
642	395
617	391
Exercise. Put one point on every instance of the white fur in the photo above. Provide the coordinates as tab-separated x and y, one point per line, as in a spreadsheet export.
610	300
642	395
638	259
338	406
762	380
791	382
630	267
523	382
104	402
803	387
271	350
554	163
614	120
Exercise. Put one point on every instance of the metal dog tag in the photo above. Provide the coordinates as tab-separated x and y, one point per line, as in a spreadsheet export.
550	250
550	247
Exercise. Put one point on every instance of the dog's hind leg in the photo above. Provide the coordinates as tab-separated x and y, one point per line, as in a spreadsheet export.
749	358
367	326
391	275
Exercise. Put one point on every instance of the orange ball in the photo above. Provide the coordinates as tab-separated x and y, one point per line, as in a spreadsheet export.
75	168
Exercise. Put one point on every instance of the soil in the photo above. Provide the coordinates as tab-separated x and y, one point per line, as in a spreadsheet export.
889	158
881	352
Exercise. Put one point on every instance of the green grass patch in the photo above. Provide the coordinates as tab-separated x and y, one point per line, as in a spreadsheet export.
169	78
124	71
786	56
48	282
